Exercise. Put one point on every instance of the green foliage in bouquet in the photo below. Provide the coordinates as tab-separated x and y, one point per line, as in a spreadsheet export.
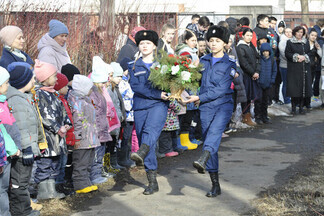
172	73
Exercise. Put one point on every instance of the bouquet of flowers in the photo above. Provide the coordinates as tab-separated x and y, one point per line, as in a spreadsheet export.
174	74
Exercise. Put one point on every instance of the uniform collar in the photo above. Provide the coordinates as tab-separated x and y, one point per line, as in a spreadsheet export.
209	57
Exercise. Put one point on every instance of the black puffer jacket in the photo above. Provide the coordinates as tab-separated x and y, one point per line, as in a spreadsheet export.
248	58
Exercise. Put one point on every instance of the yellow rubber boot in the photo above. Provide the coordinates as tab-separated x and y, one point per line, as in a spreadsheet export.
35	206
85	190
185	141
94	187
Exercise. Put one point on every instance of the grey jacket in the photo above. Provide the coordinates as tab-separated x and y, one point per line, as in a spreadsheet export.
27	119
282	48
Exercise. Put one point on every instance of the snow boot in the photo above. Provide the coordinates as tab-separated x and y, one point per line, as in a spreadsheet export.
247	119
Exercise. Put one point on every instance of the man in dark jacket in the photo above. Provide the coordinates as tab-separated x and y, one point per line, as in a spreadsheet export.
129	49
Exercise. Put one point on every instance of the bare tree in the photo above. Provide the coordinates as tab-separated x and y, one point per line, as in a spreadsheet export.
305	11
107	15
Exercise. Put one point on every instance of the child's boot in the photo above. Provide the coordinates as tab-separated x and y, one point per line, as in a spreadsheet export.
35	206
185	141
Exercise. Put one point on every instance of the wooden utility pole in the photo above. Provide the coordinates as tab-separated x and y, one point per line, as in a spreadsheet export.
305	11
107	15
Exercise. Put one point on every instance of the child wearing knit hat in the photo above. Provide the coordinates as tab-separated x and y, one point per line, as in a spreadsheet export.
99	77
64	179
25	113
113	90
85	132
7	121
56	123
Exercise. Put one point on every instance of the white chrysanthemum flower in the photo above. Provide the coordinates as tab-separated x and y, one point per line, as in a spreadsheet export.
175	69
185	75
164	69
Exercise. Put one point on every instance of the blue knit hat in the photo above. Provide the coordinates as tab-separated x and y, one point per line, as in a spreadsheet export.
20	74
56	28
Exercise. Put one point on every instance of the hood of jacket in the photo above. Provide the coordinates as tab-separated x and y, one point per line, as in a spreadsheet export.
14	92
278	25
48	41
265	47
243	42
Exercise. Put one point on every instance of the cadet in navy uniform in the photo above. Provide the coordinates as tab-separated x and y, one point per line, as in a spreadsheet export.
150	107
216	104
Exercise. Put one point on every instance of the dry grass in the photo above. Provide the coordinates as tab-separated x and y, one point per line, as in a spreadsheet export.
72	204
303	195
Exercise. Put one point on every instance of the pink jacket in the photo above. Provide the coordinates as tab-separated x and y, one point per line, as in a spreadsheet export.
112	116
6	116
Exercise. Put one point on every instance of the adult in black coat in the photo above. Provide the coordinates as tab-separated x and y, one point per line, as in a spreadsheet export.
130	48
299	83
248	59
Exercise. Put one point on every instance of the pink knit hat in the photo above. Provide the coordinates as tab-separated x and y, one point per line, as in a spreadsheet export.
8	34
43	70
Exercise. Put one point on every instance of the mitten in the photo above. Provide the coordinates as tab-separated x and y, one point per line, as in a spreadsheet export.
28	156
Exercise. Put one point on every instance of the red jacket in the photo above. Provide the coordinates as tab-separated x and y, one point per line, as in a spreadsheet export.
70	137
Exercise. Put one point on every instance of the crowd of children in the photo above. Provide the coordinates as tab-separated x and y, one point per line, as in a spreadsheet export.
62	132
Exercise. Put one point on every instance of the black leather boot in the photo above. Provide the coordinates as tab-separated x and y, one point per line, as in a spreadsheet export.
139	156
153	185
200	164
215	190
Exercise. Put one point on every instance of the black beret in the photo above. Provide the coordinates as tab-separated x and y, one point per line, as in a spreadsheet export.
219	32
147	35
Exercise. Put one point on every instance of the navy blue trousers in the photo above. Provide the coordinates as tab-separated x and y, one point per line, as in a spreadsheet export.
213	123
149	124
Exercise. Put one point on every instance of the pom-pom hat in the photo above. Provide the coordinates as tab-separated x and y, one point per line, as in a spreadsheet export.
20	74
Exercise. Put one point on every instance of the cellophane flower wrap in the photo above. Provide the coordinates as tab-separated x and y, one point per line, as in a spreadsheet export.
173	74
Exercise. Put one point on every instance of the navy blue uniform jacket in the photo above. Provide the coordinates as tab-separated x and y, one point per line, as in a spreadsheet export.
216	81
145	96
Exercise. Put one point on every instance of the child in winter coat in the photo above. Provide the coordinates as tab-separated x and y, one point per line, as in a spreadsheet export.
64	179
11	149
267	78
99	78
28	121
85	131
169	136
56	123
127	95
113	90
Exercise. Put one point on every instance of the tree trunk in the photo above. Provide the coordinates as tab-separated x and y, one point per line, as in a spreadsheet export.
304	11
107	15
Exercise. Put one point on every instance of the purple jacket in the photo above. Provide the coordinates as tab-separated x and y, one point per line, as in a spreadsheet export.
100	105
84	120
